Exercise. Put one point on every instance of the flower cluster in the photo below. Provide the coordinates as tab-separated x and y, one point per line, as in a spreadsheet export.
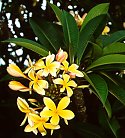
53	78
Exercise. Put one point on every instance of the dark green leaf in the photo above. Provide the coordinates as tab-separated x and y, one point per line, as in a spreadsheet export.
111	125
29	44
86	34
99	85
48	34
71	34
115	37
57	11
114	48
107	60
94	12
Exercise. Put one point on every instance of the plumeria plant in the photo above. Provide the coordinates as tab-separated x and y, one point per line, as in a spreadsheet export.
79	57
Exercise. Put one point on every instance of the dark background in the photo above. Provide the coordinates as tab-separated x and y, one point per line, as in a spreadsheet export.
21	10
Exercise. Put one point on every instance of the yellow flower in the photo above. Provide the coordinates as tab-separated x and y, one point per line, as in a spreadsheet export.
66	83
55	113
50	66
17	86
15	71
106	30
36	66
40	123
71	69
24	107
38	85
61	55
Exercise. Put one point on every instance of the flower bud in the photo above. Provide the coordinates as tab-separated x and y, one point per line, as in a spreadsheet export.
17	86
15	71
61	56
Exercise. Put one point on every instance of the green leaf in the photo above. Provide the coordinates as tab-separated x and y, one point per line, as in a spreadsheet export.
71	34
99	85
88	130
86	35
107	60
111	125
94	12
114	48
48	34
115	37
57	11
29	44
115	89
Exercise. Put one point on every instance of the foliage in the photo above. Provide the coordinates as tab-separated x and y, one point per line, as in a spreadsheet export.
101	58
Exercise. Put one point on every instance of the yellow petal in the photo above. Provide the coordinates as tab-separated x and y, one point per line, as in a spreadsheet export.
28	128
58	81
66	65
34	117
53	72
46	113
38	89
55	119
49	103
64	102
22	103
66	114
49	59
62	89
69	91
31	74
45	72
78	73
50	126
15	71
43	84
66	77
24	120
42	130
71	83
17	86
73	67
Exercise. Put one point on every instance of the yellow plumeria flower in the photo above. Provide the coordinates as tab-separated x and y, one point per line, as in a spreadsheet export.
71	69
56	112
66	83
17	86
50	66
15	71
41	124
24	107
37	84
36	66
106	30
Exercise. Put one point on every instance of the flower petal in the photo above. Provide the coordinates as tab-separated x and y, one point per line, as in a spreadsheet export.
31	74
42	130
58	81
23	104
69	91
43	84
46	113
17	86
49	59
38	89
55	119
49	103
66	77
15	71
24	120
71	83
64	102
28	128
66	114
50	126
34	117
